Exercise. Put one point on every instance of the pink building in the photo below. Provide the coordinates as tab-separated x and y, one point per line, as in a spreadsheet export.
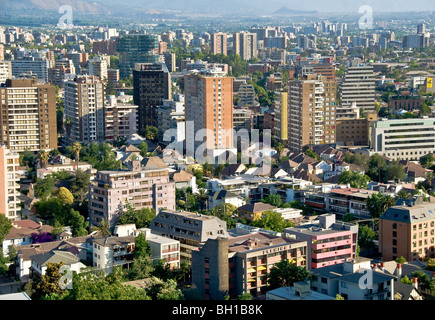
145	185
328	242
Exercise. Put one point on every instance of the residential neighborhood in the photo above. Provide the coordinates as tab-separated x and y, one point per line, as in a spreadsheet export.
202	154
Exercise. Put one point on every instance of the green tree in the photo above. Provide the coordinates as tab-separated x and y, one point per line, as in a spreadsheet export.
43	158
5	226
141	218
141	247
76	148
78	223
141	267
80	184
377	203
427	161
273	221
27	159
150	133
377	168
143	149
406	280
338	297
65	196
273	199
285	274
103	228
44	187
401	260
49	282
395	170
164	290
366	237
355	179
425	110
96	286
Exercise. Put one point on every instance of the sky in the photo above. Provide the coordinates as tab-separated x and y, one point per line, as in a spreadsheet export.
309	5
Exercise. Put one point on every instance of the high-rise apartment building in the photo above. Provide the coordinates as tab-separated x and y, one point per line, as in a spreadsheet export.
120	119
104	47
171	116
412	41
136	48
358	87
145	184
245	45
31	65
311	111
209	106
28	111
84	109
421	28
5	71
151	85
218	43
80	59
98	67
10	175
2	52
170	61
281	116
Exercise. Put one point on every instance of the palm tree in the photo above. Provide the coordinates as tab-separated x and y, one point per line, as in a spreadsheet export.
43	158
76	147
202	198
103	228
68	126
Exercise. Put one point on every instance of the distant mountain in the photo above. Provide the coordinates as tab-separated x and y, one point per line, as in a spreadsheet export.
284	11
80	6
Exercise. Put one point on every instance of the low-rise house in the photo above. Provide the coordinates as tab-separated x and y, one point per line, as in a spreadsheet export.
244	185
353	280
21	233
224	197
288	188
79	246
232	170
254	211
110	252
183	180
414	171
39	262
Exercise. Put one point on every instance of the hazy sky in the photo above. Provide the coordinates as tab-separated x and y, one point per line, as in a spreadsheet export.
271	5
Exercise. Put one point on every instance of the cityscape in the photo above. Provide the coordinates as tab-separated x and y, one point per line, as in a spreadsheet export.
222	152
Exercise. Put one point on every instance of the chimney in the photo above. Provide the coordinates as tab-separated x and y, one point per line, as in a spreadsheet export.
382	266
415	282
399	270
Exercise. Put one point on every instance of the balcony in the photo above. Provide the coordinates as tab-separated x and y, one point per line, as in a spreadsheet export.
331	244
